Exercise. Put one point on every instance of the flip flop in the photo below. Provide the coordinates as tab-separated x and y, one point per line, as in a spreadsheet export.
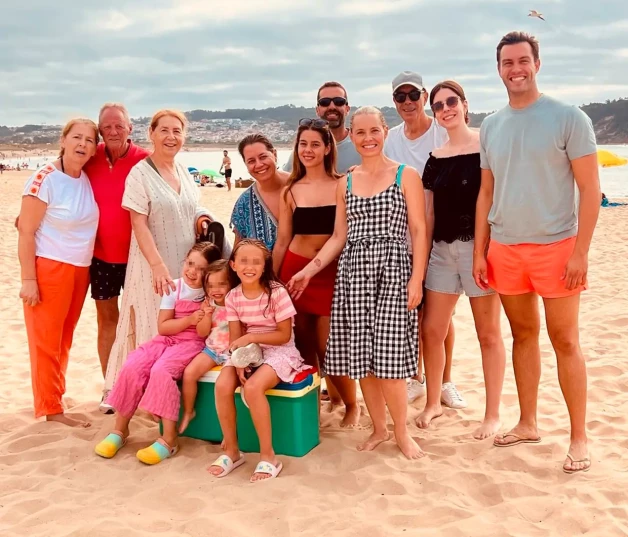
585	469
111	444
158	451
226	463
518	440
264	467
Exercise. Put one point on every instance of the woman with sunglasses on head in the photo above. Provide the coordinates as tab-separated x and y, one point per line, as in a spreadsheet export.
452	183
256	211
306	222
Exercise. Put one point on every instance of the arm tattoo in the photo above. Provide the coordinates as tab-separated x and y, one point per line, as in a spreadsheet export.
317	262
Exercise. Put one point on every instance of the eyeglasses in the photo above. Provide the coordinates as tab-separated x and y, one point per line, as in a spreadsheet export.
449	101
316	123
401	96
326	101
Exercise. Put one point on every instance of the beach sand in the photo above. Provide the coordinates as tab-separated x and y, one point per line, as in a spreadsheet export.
52	484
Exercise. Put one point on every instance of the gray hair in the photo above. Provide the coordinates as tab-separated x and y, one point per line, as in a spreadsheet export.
368	110
117	106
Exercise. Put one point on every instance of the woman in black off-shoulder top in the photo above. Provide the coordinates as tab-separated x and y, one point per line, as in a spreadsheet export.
452	183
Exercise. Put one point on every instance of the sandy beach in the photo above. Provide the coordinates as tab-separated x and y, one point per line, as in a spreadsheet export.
53	485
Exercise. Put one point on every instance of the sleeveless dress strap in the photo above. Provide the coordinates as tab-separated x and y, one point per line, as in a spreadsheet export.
399	174
349	181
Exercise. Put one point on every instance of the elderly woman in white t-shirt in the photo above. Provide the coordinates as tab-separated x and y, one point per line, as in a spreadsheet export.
57	230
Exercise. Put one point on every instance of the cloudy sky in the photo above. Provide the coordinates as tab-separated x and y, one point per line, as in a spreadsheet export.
64	58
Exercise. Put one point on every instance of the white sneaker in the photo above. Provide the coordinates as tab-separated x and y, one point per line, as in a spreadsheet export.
450	397
104	407
416	389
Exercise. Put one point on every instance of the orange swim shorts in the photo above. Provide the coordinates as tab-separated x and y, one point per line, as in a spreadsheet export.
516	269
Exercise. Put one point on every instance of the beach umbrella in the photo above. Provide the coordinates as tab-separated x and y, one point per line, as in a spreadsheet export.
210	173
192	170
606	159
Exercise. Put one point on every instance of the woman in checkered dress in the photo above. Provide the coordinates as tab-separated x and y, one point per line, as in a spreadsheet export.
374	331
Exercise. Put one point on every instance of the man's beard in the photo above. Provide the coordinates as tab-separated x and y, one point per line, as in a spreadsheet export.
334	123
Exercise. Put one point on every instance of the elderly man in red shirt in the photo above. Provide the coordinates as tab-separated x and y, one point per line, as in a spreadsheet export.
107	171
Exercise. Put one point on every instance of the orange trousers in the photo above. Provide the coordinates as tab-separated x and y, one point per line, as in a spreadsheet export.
50	328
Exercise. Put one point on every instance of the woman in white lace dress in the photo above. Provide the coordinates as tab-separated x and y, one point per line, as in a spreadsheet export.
163	200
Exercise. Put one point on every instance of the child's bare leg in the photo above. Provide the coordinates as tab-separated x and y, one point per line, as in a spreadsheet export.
201	364
169	435
263	379
122	424
225	406
376	406
395	395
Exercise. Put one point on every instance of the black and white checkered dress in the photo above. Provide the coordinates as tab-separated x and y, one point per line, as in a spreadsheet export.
372	331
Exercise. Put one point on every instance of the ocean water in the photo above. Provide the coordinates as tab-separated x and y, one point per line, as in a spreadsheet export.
614	181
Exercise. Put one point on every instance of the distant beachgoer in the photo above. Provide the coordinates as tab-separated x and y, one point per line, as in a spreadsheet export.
57	230
452	182
332	105
534	152
374	322
163	201
606	203
107	171
256	211
226	164
149	377
411	143
306	222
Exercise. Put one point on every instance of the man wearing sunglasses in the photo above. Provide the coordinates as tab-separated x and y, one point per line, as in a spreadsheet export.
332	105
411	143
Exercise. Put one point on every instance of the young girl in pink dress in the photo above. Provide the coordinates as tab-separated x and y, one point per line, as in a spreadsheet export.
150	374
259	310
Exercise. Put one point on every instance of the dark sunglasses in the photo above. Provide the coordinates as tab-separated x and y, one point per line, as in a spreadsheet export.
401	96
449	101
316	123
326	101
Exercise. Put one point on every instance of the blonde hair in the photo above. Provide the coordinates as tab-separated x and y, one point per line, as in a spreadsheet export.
117	106
78	121
168	112
369	110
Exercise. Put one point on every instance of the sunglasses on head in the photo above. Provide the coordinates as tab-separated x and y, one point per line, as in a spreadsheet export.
449	101
316	123
400	96
326	101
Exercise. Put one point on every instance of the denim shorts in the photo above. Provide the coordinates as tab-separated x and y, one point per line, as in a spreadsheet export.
218	358
450	270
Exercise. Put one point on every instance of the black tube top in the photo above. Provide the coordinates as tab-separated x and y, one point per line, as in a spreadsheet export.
314	220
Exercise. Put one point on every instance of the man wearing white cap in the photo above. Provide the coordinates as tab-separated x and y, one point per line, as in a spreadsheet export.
411	143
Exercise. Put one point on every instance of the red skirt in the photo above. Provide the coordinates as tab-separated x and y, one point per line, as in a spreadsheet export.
316	299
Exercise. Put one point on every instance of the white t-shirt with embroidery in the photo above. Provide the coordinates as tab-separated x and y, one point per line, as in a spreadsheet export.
68	230
187	293
414	152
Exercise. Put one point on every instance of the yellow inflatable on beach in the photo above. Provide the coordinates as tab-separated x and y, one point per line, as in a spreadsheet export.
607	159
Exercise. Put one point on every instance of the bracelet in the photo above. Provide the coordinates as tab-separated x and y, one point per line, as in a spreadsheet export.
29	279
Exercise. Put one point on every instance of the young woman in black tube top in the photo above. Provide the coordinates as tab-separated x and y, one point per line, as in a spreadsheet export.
452	183
306	221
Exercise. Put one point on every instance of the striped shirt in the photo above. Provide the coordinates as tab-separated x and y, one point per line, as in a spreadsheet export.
256	314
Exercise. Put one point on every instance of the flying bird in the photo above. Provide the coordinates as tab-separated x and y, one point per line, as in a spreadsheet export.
536	14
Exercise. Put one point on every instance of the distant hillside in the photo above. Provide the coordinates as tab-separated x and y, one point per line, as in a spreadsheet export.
610	120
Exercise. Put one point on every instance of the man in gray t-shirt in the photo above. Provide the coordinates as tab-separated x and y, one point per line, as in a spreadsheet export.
534	153
332	104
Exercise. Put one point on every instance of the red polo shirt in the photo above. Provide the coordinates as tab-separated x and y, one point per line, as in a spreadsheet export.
113	238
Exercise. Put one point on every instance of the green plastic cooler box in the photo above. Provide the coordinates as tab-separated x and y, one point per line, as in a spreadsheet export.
293	411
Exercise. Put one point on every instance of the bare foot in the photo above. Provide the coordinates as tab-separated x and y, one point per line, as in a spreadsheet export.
185	421
521	433
217	470
429	413
352	416
373	441
67	420
409	447
489	427
578	458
